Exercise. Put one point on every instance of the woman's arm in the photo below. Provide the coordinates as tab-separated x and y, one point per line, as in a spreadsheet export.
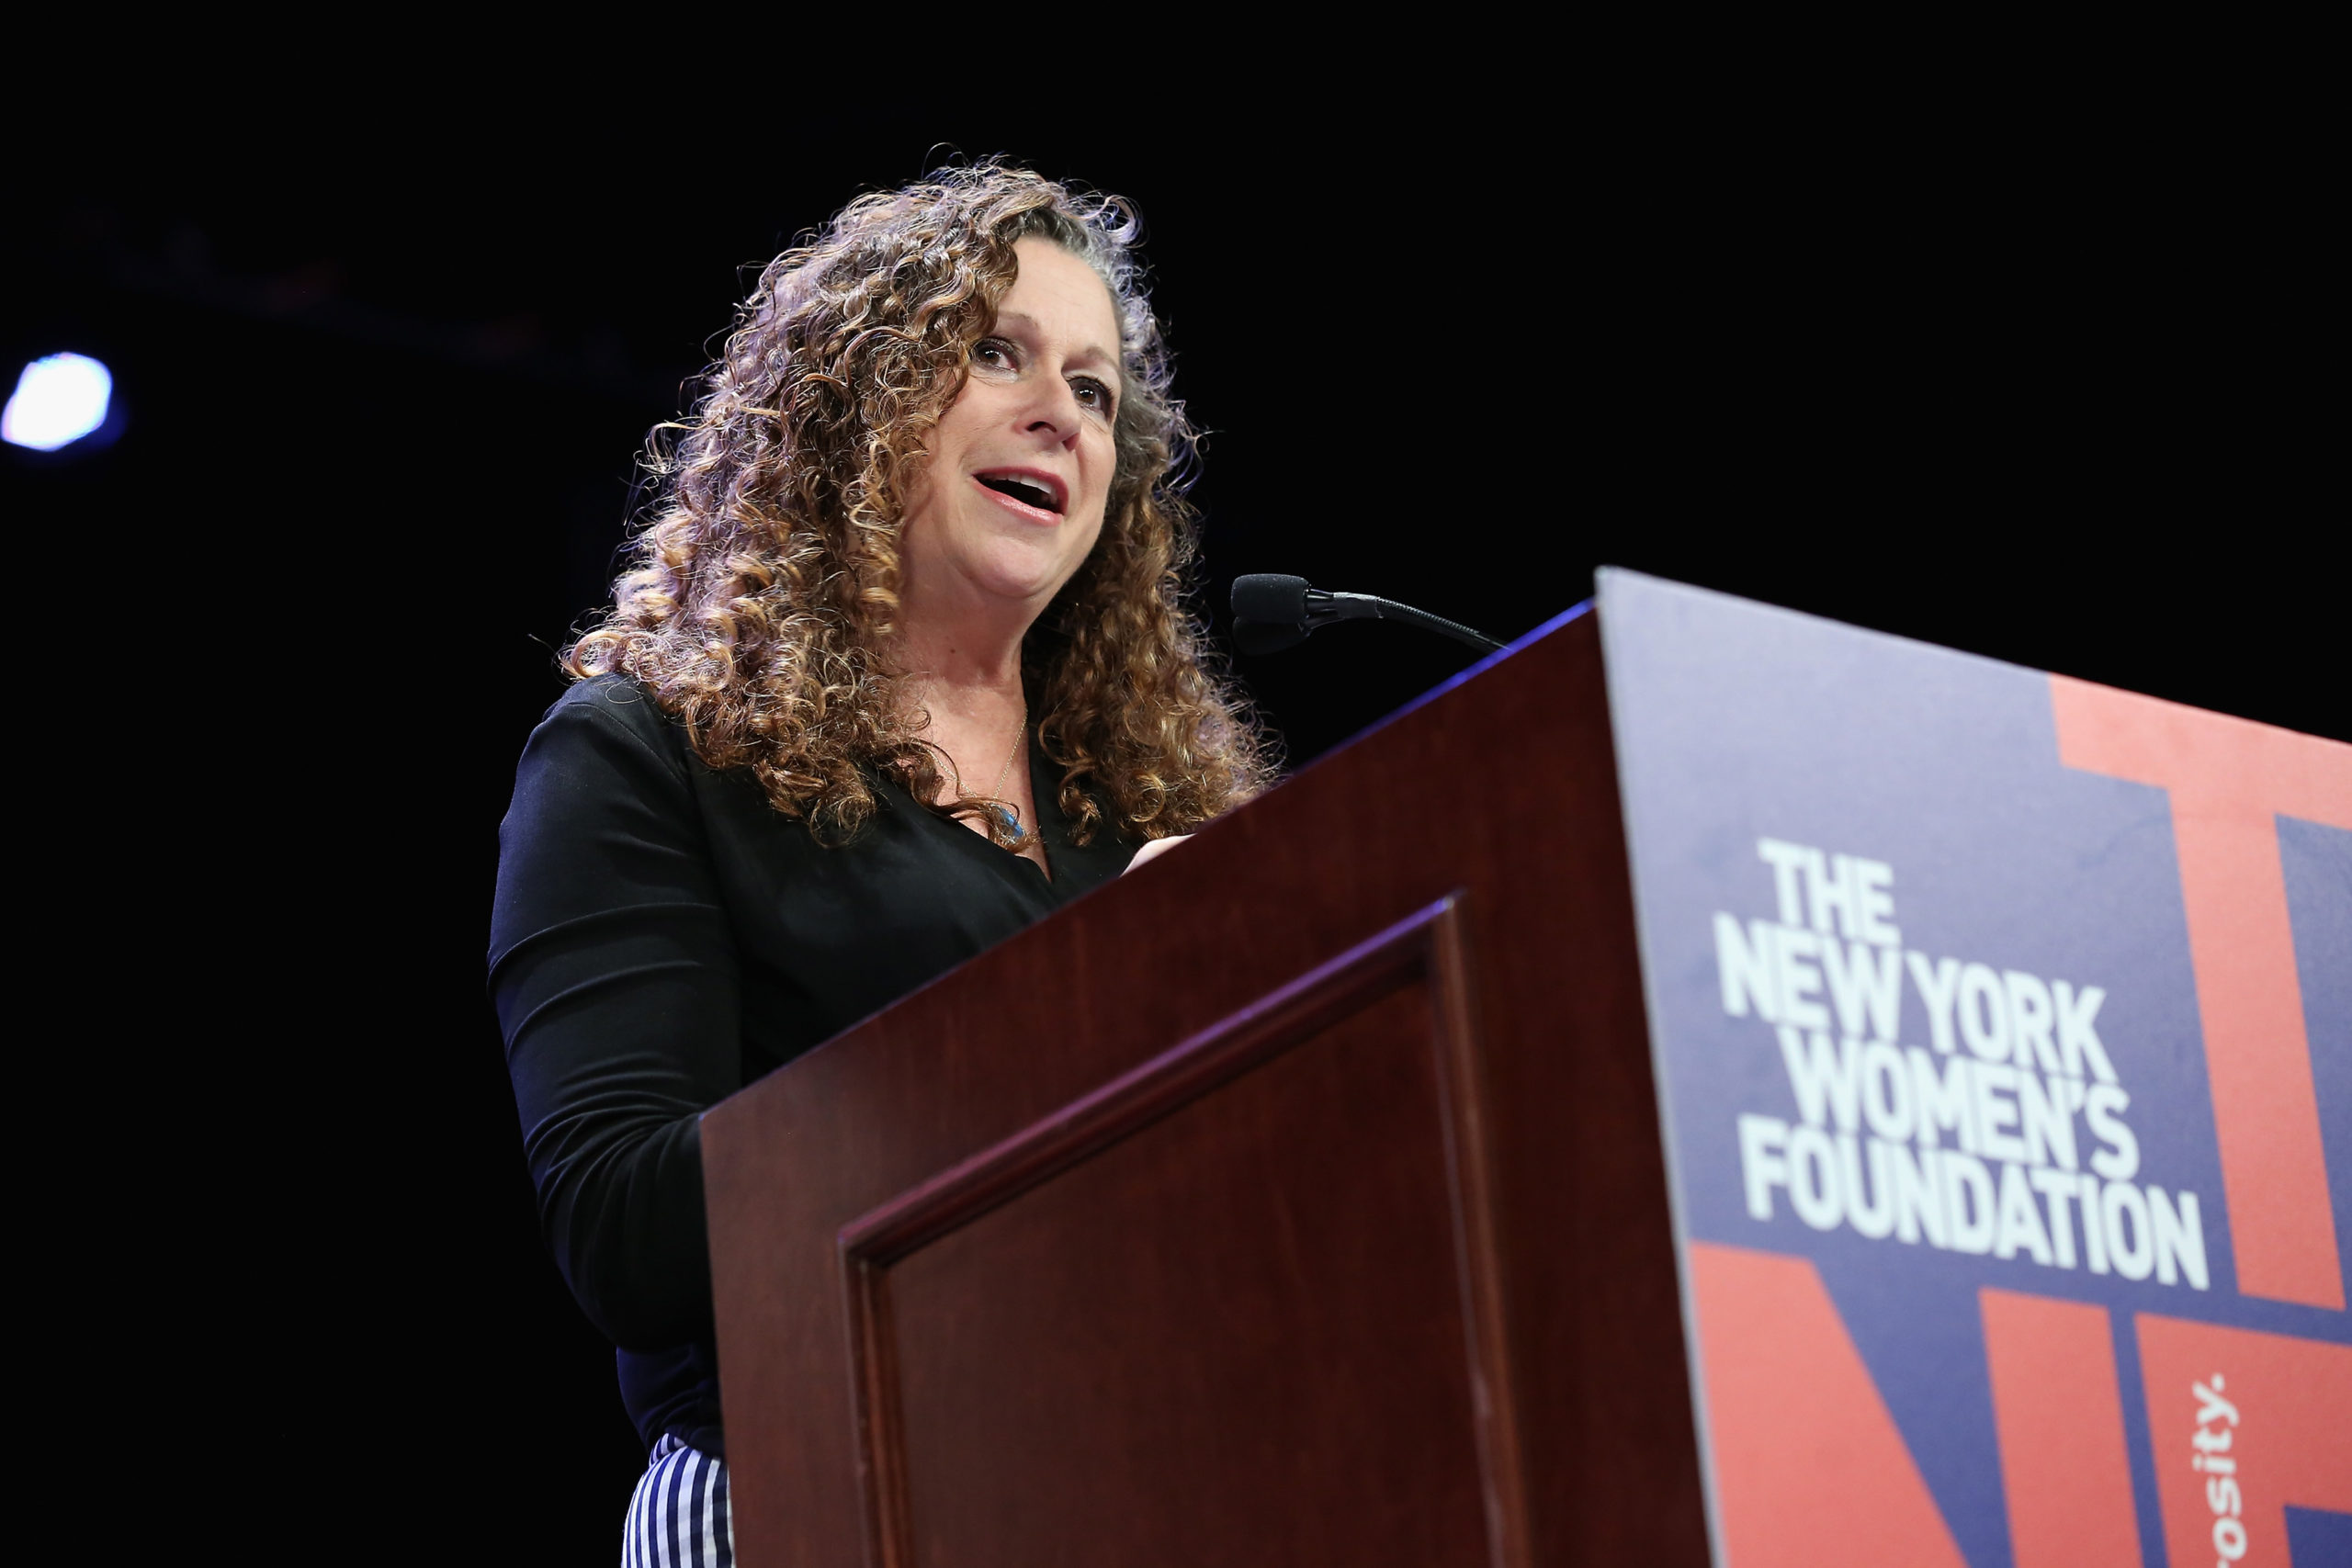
613	968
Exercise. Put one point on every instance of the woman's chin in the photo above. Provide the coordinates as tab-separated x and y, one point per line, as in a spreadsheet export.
1016	575
1031	591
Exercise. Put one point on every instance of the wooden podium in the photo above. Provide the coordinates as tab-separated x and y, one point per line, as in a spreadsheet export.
1297	1200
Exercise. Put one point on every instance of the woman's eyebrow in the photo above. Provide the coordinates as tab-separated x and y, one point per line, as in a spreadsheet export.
1091	354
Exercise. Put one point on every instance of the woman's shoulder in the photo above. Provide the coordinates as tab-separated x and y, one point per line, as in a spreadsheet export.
616	697
605	712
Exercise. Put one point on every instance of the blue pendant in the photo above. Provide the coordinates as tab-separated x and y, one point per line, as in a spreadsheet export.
1010	818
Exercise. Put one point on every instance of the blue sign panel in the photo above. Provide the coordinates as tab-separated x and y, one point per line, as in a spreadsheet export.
2003	1027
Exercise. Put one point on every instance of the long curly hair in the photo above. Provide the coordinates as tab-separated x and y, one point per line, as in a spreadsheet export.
760	599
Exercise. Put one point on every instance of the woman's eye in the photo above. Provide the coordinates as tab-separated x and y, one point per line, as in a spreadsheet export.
1092	394
992	350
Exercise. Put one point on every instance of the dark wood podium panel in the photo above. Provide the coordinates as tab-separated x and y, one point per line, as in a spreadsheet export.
1298	1198
1270	1233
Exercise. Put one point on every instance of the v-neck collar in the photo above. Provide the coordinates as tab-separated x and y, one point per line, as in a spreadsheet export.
1074	868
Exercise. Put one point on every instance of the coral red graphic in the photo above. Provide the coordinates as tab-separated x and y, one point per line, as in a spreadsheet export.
1810	1470
2059	1412
2244	1424
2229	779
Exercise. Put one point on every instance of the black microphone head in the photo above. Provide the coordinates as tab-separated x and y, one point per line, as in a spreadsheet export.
1272	597
1254	637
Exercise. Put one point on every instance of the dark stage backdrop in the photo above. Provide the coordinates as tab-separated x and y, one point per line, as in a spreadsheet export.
2040	399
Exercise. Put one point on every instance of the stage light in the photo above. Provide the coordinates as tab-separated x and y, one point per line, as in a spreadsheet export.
58	400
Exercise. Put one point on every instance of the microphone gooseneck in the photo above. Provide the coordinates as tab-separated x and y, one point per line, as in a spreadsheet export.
1273	611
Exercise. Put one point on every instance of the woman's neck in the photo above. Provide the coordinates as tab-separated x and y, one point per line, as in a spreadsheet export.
975	721
966	672
963	672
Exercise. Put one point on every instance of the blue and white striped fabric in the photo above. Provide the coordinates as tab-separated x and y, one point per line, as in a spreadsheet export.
679	1517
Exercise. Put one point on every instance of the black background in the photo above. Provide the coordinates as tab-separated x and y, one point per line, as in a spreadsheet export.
2046	394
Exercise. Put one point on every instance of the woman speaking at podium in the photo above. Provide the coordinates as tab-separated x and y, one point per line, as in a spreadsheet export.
897	666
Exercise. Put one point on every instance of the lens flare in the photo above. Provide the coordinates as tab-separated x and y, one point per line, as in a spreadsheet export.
58	400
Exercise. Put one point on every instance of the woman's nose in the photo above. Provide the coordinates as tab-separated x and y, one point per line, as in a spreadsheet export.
1055	409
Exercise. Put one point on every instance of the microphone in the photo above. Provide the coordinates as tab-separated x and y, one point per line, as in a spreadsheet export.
1272	612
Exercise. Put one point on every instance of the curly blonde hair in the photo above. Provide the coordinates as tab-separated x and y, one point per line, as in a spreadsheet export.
762	595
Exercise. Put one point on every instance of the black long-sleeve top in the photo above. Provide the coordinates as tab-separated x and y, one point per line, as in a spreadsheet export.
662	936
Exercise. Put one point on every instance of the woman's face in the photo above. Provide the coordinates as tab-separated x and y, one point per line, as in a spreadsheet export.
1020	467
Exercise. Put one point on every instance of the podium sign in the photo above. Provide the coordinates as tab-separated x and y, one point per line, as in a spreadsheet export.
2001	1028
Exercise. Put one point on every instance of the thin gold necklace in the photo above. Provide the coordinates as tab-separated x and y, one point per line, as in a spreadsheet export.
1012	815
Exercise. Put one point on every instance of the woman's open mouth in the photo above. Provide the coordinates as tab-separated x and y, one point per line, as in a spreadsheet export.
1029	490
